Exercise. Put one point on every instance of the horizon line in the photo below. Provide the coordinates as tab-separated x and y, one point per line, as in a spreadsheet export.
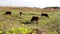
30	6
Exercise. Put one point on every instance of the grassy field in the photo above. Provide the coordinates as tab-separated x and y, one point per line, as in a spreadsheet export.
15	23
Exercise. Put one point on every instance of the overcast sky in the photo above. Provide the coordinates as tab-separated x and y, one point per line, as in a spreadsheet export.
30	3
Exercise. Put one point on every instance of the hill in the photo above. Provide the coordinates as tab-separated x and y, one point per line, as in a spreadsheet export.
46	9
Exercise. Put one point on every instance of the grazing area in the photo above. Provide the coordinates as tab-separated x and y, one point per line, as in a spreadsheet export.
21	24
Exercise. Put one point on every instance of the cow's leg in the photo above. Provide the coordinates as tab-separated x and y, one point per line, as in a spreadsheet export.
20	14
31	21
47	16
10	14
37	22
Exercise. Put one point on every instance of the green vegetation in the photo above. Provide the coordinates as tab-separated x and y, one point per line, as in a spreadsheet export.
20	30
14	24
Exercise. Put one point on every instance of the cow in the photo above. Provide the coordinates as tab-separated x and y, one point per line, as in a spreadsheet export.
20	13
45	14
35	18
8	13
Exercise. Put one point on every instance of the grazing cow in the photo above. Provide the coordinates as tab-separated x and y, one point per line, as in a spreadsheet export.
8	13
20	13
46	15
35	18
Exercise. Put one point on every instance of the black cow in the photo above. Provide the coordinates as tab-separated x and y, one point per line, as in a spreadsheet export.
35	18
20	13
44	14
8	13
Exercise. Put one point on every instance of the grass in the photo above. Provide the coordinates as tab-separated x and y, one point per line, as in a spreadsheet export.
16	31
14	21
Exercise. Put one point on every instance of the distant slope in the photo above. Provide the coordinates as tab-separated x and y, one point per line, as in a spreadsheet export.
28	9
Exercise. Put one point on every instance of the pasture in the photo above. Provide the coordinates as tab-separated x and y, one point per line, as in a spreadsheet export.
51	25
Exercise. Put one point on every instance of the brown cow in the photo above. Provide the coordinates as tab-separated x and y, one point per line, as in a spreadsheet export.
35	18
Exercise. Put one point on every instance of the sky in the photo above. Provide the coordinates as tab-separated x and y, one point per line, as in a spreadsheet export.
30	3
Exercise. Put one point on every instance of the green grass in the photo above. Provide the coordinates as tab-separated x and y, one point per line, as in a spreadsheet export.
16	31
14	21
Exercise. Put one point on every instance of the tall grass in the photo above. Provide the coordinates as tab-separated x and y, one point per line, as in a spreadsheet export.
15	21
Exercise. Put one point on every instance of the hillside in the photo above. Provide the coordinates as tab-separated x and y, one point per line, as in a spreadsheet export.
46	9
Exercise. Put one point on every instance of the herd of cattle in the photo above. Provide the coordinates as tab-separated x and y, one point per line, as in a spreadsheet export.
34	18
